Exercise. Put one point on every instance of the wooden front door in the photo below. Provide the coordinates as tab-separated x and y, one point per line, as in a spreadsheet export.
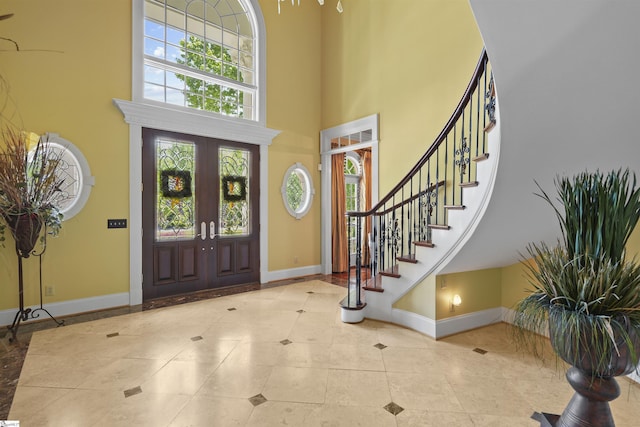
200	213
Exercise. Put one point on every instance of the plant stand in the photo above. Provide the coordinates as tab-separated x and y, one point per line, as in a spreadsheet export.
589	406
545	420
28	313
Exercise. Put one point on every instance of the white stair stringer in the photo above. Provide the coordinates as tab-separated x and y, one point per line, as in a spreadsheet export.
447	244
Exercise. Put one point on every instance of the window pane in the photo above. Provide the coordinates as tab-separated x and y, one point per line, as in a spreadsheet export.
175	36
175	80
175	198
351	197
154	92
175	97
153	48
174	53
235	191
153	75
153	29
349	167
295	191
246	76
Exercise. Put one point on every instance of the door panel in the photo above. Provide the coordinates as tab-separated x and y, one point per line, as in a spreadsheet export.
200	200
243	256
165	271
225	250
188	262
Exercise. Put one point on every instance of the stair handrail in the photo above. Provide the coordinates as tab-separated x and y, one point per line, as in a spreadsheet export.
471	87
425	194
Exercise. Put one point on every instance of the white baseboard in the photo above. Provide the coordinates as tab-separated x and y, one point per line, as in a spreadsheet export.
414	321
65	308
291	273
465	322
452	325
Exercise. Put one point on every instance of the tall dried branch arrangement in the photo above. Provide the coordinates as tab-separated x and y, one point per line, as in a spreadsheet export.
28	180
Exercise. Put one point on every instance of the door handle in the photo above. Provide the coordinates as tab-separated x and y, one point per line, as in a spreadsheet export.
212	230
203	230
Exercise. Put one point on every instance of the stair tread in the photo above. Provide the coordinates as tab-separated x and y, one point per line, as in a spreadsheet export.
391	272
439	226
489	127
408	258
481	157
424	243
468	184
373	284
455	207
345	305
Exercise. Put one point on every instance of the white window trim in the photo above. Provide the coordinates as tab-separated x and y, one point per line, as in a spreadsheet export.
141	113
360	125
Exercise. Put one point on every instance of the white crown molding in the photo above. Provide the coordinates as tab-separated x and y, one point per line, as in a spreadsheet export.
194	122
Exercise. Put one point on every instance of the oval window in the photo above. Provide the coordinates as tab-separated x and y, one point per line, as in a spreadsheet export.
297	190
75	171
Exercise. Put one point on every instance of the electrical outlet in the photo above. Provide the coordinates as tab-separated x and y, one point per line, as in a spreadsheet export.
49	291
117	223
295	259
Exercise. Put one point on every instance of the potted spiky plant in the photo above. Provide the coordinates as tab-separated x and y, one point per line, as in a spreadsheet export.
587	291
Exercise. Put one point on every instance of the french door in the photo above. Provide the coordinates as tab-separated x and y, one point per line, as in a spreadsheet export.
200	213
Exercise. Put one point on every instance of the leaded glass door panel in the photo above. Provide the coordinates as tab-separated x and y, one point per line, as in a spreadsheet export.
200	213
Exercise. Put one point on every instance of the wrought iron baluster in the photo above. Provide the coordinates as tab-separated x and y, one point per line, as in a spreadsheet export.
463	157
477	127
409	228
358	258
383	241
469	141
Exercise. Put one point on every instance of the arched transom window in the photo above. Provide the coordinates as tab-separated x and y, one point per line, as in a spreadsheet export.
201	54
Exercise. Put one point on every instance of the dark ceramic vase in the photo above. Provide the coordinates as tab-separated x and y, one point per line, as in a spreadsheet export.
594	383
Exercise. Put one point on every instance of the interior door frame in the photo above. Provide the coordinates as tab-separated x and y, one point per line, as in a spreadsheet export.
364	124
139	115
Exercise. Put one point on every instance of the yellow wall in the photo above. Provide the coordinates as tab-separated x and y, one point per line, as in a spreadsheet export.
409	60
75	58
633	245
514	284
479	290
293	106
421	299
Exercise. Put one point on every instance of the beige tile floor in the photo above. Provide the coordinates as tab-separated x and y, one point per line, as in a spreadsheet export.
281	356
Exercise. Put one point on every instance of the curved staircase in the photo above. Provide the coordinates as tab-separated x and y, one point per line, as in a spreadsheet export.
413	232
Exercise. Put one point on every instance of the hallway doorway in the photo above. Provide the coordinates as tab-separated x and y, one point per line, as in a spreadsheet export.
349	155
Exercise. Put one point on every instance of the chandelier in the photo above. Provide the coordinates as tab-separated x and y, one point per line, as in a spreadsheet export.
338	6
